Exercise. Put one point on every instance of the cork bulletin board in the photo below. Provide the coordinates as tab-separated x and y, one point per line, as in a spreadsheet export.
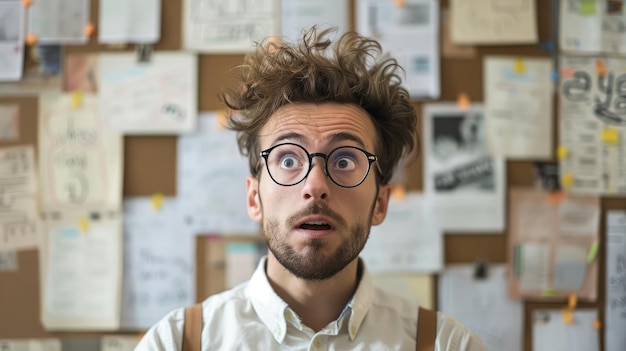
150	167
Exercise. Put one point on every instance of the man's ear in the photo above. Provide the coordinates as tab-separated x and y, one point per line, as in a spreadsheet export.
381	205
255	210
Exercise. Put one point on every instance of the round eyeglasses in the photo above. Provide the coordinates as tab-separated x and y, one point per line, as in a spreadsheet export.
288	164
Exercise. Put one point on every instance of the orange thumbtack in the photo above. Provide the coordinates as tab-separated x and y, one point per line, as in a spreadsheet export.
567	72
89	29
600	67
568	316
31	39
556	197
398	192
597	324
399	2
26	3
463	101
572	301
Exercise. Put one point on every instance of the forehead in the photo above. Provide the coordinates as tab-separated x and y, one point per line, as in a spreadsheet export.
319	125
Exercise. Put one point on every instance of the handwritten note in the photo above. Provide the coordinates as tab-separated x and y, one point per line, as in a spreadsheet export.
303	14
155	97
59	21
158	262
81	274
80	163
615	307
19	216
123	21
228	26
493	21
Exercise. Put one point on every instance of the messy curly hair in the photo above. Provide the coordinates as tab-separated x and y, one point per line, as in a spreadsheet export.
353	71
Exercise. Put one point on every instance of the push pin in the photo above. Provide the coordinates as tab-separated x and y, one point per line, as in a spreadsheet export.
480	268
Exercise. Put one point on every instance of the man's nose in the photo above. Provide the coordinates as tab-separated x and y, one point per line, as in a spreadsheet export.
316	183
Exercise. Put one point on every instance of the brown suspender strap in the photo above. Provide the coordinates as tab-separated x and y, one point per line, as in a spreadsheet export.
192	330
426	330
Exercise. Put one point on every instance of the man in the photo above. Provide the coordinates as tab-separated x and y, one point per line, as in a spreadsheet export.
323	127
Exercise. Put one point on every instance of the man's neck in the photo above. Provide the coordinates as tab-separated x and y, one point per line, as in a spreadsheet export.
316	302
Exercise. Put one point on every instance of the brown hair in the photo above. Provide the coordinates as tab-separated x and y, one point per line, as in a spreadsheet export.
352	71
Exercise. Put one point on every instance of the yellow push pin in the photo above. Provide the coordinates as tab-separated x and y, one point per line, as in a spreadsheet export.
567	180
157	201
610	136
77	99
562	152
83	225
520	66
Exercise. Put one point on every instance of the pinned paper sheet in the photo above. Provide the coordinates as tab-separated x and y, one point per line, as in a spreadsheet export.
463	101
562	152
398	192
77	99
610	136
31	39
568	317
520	66
572	301
593	251
157	201
89	29
83	225
567	180
600	67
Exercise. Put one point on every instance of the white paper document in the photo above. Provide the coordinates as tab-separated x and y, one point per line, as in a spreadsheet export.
155	97
225	26
11	40
299	15
19	213
550	332
503	22
615	301
464	184
518	107
47	344
592	26
81	265
211	179
482	305
123	21
59	21
410	33
158	262
80	164
592	128
408	241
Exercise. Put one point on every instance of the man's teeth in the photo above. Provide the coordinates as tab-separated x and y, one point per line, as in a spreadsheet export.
316	223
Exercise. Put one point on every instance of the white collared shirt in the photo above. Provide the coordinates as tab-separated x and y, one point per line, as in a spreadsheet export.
252	317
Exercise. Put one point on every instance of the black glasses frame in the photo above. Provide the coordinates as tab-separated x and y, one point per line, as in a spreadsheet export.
371	158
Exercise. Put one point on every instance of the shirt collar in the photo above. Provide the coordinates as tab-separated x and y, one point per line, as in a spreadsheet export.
274	312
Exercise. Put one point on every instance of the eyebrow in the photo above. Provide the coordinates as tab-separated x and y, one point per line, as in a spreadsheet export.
335	138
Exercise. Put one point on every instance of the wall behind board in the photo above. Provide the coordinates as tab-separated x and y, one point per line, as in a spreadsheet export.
150	164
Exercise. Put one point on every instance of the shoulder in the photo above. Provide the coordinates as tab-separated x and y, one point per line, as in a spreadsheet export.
167	334
452	335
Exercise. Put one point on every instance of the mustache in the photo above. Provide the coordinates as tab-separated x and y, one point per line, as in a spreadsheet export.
316	208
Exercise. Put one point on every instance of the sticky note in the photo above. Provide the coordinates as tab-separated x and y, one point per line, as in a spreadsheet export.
463	101
548	292
83	224
587	7
600	67
520	66
572	301
568	316
31	39
556	197
89	29
567	180
610	136
593	251
398	192
562	152
77	99
157	201
597	324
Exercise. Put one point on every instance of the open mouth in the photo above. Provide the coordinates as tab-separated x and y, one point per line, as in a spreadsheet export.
315	225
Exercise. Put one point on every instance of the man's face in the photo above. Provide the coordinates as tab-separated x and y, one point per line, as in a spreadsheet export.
315	228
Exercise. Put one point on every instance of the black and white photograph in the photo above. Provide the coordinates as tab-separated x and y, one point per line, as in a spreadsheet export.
464	180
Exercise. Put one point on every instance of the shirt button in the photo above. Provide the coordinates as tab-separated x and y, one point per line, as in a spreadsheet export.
317	343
